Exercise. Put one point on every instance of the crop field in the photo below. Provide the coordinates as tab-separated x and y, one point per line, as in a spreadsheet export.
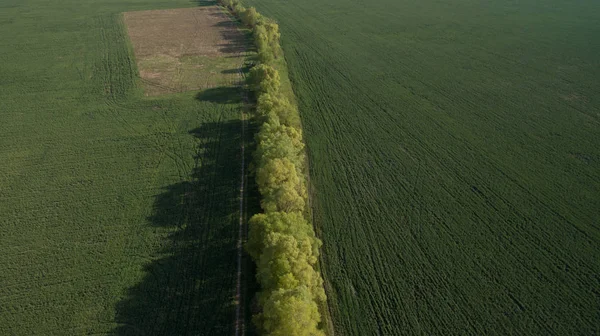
118	212
455	161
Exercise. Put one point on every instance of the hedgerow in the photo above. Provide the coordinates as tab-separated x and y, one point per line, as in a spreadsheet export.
281	240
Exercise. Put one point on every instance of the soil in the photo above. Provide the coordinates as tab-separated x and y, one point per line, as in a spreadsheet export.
166	41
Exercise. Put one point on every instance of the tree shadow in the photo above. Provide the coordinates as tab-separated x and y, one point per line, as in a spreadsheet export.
244	69
204	3
221	95
237	38
225	23
191	290
230	71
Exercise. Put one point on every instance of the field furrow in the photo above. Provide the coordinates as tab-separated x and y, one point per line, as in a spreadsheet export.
455	160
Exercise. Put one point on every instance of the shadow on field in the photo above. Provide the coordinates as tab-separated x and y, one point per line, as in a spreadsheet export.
245	69
191	290
204	3
236	38
221	95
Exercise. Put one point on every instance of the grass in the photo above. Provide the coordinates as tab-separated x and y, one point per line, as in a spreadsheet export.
119	212
455	161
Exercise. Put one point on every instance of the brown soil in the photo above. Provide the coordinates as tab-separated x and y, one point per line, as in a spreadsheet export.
164	42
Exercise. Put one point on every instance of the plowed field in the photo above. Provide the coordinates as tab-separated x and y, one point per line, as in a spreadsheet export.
455	160
185	49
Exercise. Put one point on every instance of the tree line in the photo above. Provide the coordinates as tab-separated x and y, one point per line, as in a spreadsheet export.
281	240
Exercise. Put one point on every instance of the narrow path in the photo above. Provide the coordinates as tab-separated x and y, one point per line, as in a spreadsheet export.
239	318
239	315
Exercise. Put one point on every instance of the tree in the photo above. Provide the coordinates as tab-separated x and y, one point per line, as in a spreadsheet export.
287	262
280	185
250	17
290	313
261	39
286	250
264	79
292	223
279	105
279	141
273	36
266	38
231	4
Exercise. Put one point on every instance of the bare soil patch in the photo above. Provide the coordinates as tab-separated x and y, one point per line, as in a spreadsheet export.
185	49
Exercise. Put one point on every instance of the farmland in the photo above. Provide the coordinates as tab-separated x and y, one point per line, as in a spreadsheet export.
454	159
185	49
119	212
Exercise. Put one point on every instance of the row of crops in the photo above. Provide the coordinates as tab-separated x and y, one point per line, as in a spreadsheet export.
119	212
454	149
281	240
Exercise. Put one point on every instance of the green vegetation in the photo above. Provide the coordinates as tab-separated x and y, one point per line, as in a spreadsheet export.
119	213
281	241
453	145
454	149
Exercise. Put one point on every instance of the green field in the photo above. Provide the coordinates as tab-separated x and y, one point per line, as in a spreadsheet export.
455	161
118	213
